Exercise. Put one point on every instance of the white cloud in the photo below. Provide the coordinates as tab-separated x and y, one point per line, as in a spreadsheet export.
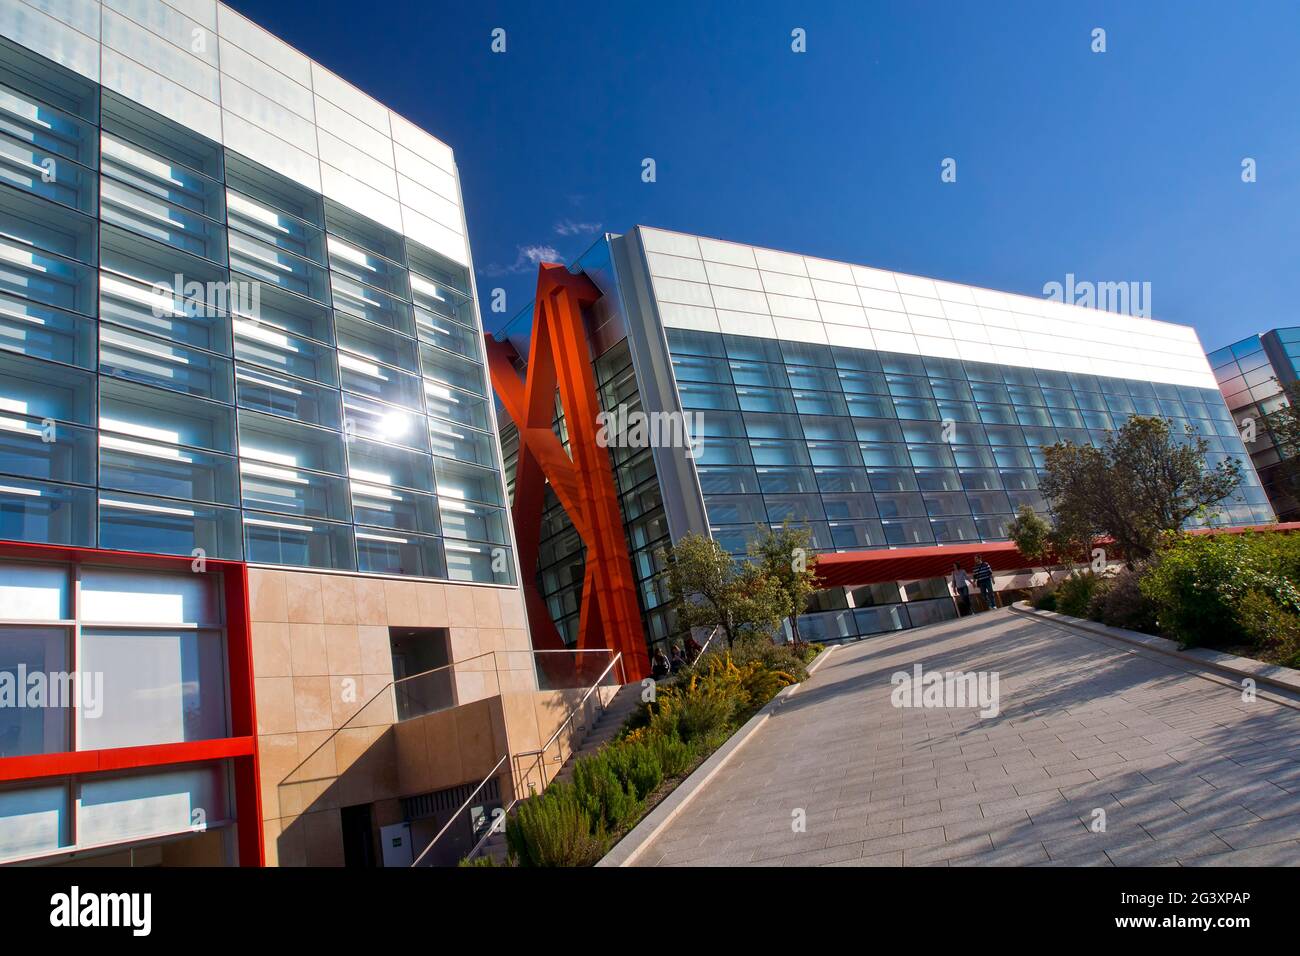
567	227
527	259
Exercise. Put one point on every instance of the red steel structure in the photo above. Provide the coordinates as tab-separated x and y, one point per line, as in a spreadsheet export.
583	481
240	747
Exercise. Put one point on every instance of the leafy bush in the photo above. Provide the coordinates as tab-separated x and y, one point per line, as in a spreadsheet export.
1271	626
554	829
1198	582
637	763
1121	603
674	755
1074	593
1045	600
777	657
693	714
602	792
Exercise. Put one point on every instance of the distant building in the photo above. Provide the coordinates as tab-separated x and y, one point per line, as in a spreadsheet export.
1251	374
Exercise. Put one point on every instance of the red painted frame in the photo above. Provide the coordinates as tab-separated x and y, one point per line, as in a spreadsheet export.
559	358
240	748
856	568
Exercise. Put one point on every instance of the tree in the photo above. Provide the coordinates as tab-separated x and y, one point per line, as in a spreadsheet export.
710	589
1142	482
785	556
1047	544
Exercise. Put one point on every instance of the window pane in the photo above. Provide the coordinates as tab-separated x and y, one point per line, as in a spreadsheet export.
154	361
31	721
157	469
159	687
293	491
39	331
287	397
300	543
47	513
30	448
33	820
388	552
143	412
151	803
163	526
473	562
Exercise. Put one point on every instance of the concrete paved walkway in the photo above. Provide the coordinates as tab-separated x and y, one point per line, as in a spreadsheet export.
1185	771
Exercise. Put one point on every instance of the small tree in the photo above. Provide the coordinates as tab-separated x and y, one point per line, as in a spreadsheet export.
1142	482
785	556
1031	535
710	589
1054	547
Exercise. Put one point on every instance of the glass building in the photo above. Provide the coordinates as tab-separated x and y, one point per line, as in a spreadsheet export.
1251	375
238	333
880	410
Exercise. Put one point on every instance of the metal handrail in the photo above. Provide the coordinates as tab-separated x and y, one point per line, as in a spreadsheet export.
587	650
582	703
618	659
505	812
362	709
712	635
468	801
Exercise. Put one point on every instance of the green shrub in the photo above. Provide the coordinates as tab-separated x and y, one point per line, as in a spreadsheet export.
602	792
776	657
1270	626
675	756
637	764
554	829
1198	582
1121	603
699	715
1074	593
1045	600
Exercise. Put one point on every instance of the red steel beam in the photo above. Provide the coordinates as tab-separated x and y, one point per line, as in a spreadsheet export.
559	358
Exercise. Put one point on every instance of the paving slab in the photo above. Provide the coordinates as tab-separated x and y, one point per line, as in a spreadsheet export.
1187	772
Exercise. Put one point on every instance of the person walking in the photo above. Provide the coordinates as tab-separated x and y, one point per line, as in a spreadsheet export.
961	584
983	575
659	666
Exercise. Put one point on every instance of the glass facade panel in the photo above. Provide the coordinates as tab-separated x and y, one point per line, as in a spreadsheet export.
949	447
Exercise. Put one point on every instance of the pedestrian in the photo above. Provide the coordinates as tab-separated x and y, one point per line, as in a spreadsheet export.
659	667
692	649
961	584
678	659
983	575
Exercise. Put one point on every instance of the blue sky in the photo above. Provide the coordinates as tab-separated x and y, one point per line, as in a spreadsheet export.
1115	166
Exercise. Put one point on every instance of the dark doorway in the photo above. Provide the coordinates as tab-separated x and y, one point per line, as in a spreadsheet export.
358	838
424	681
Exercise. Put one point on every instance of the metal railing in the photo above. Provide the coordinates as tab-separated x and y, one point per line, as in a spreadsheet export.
560	757
567	669
406	698
498	821
468	800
